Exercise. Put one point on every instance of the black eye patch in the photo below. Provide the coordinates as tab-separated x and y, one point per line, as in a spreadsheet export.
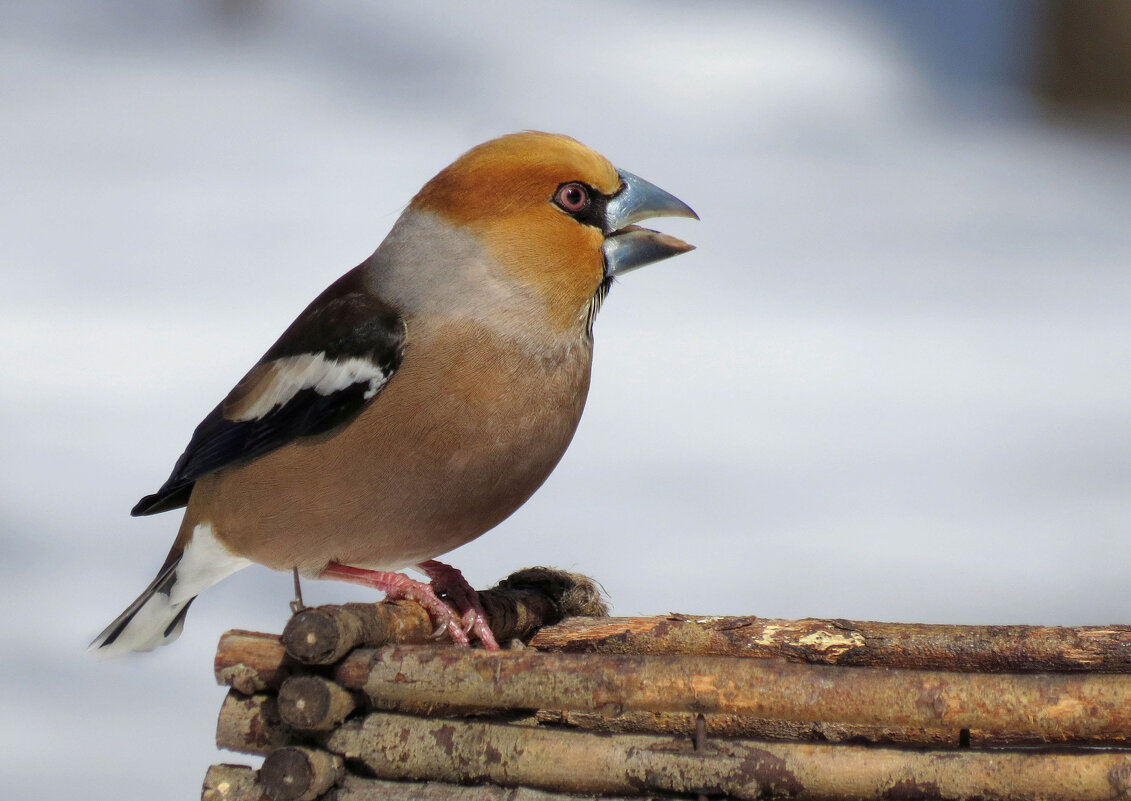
594	211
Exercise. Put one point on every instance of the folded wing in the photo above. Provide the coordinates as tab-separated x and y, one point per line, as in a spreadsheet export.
329	364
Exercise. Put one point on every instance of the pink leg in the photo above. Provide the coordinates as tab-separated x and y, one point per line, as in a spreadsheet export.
397	587
450	582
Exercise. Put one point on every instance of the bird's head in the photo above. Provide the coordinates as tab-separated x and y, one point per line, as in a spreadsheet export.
557	217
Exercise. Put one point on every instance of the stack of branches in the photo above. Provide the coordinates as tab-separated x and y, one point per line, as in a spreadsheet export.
359	702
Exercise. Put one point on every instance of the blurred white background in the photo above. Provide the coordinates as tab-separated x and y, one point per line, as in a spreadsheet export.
892	383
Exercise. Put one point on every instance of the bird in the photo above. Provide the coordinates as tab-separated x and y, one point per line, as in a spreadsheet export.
420	399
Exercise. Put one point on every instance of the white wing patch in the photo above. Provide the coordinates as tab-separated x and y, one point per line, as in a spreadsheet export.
292	374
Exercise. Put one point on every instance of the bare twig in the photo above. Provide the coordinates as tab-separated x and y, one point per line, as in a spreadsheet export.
405	747
251	662
356	788
312	703
231	783
250	724
1053	707
988	649
299	774
724	725
322	635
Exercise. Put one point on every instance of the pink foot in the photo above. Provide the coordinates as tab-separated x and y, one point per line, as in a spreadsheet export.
450	582
397	587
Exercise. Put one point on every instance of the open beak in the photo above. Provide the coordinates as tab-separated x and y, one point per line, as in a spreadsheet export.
629	246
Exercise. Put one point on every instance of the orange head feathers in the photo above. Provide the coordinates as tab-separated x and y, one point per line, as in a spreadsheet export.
513	175
541	204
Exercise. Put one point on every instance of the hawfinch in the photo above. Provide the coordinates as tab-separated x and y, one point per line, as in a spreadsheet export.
420	399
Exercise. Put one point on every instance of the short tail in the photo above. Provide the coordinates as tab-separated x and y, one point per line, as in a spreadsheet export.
151	620
158	615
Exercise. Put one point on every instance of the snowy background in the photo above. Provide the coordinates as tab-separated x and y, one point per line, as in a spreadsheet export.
893	382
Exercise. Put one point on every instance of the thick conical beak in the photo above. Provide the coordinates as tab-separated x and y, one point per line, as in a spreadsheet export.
629	246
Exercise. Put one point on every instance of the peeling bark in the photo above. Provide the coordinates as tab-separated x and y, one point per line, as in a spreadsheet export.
231	783
251	662
405	747
250	724
1052	707
356	788
986	649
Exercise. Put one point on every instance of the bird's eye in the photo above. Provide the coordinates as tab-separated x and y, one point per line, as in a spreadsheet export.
572	198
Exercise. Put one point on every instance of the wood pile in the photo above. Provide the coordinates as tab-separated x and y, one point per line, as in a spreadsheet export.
359	702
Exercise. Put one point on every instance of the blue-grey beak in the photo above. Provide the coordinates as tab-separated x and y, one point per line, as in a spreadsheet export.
629	246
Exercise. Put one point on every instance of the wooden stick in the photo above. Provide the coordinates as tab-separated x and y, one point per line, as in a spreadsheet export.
1001	649
312	703
322	635
231	783
723	725
239	783
250	724
251	662
405	747
517	606
356	788
295	773
1053	707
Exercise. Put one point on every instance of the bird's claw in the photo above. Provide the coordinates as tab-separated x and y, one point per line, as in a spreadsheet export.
459	618
450	583
442	614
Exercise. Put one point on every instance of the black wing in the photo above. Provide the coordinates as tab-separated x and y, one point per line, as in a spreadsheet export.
330	362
